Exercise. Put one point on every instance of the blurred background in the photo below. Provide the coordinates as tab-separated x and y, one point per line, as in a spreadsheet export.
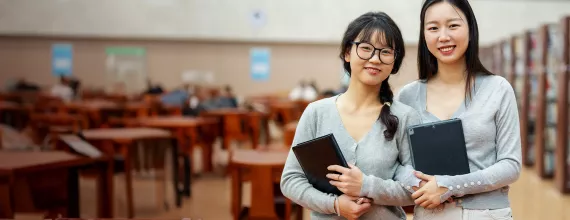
187	108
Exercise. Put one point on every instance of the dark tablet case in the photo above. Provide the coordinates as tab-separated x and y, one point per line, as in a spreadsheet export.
438	148
315	156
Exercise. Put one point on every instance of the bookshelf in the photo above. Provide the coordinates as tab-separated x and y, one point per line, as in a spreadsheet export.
525	47
542	145
562	175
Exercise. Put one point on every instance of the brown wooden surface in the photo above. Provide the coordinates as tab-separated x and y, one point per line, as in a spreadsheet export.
231	128
264	168
562	178
176	121
6	210
125	133
125	138
186	130
289	133
17	162
39	180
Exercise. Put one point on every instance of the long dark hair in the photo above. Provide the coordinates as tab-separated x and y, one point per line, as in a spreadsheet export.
388	32
427	63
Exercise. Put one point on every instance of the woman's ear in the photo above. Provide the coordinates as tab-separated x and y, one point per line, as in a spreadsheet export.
347	56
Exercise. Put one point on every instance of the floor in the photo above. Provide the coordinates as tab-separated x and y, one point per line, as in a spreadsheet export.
531	197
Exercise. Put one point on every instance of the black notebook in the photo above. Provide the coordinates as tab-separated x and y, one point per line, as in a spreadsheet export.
438	148
315	156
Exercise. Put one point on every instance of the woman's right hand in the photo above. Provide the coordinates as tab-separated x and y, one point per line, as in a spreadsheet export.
350	209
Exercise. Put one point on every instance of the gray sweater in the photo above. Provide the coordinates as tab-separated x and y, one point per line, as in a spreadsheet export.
380	160
492	135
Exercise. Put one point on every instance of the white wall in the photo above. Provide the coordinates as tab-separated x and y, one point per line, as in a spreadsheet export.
289	21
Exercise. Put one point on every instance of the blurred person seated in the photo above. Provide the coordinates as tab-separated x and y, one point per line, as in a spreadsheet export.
227	99
176	97
153	89
200	101
304	92
24	86
313	84
75	85
62	90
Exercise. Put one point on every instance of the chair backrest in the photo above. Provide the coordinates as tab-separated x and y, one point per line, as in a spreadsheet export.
233	124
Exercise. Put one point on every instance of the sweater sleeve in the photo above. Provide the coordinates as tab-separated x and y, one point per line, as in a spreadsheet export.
506	169
294	183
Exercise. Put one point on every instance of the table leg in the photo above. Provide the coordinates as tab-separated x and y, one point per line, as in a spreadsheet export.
128	178
188	170
262	205
105	190
73	193
187	176
6	209
236	192
175	166
266	129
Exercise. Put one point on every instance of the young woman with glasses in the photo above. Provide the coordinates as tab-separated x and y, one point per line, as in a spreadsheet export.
368	126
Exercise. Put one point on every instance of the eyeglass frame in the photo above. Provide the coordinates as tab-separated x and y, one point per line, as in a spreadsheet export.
374	52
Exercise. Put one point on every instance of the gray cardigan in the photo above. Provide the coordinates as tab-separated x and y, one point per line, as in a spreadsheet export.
492	135
380	160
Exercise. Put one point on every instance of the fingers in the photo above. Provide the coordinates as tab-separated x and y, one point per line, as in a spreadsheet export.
422	183
338	184
433	206
420	200
425	203
417	194
333	176
352	198
363	200
361	209
338	168
423	176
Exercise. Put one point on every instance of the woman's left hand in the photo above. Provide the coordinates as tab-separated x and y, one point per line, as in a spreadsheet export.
429	195
349	181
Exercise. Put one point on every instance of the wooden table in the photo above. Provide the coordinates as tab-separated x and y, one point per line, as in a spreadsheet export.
94	110
263	168
35	181
187	129
125	139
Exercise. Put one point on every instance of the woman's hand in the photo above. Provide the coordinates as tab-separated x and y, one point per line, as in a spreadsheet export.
349	181
428	195
352	207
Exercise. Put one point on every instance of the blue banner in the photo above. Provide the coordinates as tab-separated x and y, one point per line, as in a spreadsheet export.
62	59
260	65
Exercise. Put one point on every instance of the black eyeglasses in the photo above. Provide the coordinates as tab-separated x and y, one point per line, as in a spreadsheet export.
366	51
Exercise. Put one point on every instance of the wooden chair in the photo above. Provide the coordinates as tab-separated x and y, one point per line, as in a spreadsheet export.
289	133
234	129
47	125
263	169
